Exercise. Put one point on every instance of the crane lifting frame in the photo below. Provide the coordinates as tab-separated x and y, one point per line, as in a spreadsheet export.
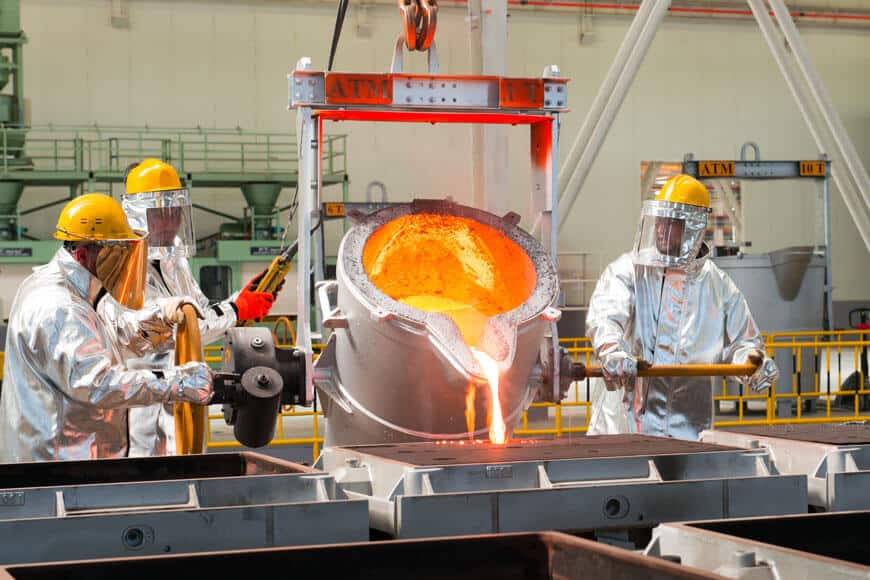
409	98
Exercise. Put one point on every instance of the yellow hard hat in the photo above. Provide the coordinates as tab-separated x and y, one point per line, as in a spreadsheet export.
152	175
93	217
684	189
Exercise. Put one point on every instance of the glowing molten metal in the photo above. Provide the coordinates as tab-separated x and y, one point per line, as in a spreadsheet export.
497	428
459	267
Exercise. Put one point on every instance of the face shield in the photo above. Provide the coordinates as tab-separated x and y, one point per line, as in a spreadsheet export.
168	219
670	234
120	267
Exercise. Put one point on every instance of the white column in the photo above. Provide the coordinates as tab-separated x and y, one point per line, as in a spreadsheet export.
489	143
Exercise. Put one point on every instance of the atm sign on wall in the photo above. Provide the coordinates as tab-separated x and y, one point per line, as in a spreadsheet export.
716	168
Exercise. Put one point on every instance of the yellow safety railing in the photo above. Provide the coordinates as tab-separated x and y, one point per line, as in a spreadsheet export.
315	440
835	355
580	351
283	331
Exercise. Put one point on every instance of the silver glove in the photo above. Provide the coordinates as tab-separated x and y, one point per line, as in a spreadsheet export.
619	370
766	373
191	383
171	308
157	319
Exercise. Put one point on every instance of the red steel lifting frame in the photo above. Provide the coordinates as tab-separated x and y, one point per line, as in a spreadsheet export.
404	98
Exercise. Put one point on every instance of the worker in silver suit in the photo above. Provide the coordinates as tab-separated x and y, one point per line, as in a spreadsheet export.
666	302
66	391
155	201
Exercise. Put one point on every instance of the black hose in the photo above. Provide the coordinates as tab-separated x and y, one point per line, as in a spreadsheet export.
336	32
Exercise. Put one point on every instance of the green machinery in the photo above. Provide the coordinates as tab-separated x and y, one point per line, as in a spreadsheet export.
79	159
95	158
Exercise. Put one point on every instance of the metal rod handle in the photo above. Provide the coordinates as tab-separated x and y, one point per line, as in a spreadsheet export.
694	370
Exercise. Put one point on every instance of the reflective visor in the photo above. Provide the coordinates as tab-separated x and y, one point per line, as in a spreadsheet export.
121	267
168	218
670	234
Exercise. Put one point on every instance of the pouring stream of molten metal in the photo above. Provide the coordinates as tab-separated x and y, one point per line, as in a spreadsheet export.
497	428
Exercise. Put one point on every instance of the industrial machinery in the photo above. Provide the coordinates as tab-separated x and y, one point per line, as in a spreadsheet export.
547	556
257	378
589	483
112	508
394	370
798	546
260	165
347	371
80	159
425	354
834	457
12	113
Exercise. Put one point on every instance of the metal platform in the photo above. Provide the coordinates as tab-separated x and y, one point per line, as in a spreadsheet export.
832	434
834	457
502	557
130	507
585	483
826	546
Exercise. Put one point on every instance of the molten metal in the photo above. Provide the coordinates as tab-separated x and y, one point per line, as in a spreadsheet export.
440	263
459	267
469	409
497	428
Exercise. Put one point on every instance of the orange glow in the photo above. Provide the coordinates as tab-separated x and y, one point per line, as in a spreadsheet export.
461	268
469	409
439	263
497	428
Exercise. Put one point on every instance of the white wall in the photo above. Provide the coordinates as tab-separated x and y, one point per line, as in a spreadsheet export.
705	87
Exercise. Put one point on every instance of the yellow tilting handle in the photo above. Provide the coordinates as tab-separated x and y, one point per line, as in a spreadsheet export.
278	270
275	274
190	420
697	370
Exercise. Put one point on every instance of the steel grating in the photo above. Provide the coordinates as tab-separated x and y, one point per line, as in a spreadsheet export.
583	484
130	507
835	458
830	545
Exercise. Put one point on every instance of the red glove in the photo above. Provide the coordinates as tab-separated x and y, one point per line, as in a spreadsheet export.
252	305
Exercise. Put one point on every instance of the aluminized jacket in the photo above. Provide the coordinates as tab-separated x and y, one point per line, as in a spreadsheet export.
152	429
65	391
666	316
